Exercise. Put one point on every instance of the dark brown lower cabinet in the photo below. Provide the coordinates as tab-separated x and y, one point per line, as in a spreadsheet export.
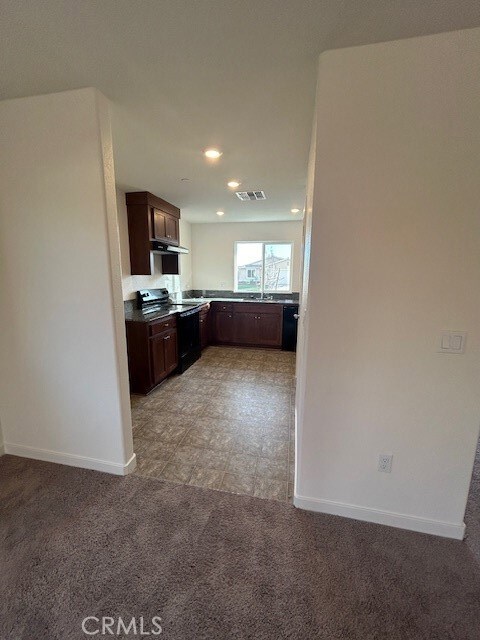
223	327
152	353
249	324
171	351
164	355
204	321
269	330
245	328
157	350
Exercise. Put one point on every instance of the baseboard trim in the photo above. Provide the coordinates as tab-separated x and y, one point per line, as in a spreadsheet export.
131	465
71	460
388	518
2	449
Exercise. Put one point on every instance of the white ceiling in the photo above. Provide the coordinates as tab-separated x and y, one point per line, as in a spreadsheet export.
187	74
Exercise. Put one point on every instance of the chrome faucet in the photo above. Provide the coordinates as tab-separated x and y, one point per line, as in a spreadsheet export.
264	296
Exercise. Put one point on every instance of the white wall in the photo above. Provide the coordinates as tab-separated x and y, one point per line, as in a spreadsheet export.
213	249
130	284
303	324
63	367
395	260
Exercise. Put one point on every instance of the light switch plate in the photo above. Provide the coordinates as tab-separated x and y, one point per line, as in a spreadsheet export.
452	342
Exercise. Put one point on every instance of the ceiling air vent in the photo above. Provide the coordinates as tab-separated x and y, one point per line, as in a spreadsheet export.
244	196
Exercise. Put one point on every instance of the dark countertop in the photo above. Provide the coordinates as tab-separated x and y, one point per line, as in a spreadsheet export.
136	315
256	300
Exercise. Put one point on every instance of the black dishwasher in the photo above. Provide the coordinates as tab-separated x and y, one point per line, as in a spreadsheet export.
289	331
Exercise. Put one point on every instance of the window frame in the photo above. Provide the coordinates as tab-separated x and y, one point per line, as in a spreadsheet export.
262	278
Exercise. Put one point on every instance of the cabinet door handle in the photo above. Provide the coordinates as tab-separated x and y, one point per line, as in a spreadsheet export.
229	315
296	316
167	337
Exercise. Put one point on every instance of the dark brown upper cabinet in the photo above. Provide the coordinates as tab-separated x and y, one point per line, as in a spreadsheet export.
151	218
159	225
165	227
172	230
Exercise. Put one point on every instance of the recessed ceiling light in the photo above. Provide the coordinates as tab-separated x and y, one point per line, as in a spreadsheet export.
233	184
295	210
220	213
213	154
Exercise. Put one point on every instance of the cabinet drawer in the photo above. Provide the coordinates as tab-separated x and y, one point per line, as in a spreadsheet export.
258	307
162	325
227	307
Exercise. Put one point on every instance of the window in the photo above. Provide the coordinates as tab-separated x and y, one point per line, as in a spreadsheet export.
263	267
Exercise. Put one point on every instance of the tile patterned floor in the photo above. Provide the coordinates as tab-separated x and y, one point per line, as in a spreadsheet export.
225	424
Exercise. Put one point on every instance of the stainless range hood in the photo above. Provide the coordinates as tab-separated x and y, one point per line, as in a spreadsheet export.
166	249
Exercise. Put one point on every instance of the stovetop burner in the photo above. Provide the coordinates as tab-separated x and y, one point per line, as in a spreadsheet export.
155	300
155	308
149	298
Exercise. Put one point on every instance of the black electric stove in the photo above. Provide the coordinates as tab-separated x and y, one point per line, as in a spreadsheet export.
151	301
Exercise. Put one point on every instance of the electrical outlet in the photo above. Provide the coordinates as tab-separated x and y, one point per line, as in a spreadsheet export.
223	285
385	462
